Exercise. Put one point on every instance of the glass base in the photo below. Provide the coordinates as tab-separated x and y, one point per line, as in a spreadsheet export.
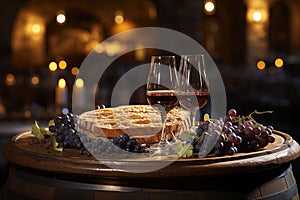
162	148
162	145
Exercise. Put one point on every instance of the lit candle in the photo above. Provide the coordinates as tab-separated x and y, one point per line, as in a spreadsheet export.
61	92
79	99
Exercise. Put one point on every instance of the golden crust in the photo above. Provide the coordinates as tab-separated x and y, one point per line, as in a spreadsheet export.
142	122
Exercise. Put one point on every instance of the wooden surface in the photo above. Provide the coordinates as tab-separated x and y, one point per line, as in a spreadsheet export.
21	152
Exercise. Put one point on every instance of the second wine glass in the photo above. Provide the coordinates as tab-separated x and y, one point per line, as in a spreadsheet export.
193	88
160	91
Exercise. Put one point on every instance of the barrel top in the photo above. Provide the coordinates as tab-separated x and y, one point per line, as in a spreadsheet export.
22	152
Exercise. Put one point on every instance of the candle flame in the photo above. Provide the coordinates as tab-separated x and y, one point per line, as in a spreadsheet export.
79	83
61	83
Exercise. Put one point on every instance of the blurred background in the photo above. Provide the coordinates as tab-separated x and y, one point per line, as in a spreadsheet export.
255	44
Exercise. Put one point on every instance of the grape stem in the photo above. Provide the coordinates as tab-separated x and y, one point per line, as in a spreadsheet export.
241	119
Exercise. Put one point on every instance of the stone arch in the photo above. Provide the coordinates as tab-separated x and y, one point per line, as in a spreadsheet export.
26	43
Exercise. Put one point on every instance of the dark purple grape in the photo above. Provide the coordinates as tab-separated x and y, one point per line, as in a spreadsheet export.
253	144
228	124
271	139
248	130
52	129
232	112
126	137
221	138
256	130
239	140
228	131
262	142
198	146
264	134
200	130
227	118
115	140
230	151
121	143
137	148
130	144
60	138
232	137
60	131
58	120
219	145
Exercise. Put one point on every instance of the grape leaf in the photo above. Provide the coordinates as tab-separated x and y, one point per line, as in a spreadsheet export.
54	143
36	131
184	150
185	135
51	123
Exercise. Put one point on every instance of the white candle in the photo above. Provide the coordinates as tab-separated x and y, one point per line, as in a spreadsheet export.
61	93
79	96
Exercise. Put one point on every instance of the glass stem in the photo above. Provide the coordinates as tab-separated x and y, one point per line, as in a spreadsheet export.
163	132
193	119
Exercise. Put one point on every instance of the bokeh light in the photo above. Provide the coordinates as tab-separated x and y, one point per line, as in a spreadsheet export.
52	66
60	18
62	83
79	83
75	71
261	65
279	62
62	64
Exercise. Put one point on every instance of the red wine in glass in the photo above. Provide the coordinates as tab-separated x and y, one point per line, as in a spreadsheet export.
166	98
187	98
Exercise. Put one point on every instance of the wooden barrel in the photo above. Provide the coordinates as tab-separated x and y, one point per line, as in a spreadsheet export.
22	184
42	174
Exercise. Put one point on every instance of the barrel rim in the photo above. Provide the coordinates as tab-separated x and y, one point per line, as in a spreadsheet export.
17	152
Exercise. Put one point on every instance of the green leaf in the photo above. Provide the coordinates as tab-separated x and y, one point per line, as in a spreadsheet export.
54	143
51	123
185	135
178	147
184	150
36	131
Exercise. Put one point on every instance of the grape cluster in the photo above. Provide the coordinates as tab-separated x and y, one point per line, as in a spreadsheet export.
237	134
126	143
65	128
104	146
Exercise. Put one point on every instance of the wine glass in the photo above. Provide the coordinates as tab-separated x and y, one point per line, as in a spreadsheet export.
160	91
193	86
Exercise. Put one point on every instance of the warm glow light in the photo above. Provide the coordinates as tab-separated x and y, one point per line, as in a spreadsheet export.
52	66
125	26
139	53
61	83
60	18
91	45
79	83
261	65
119	19
278	62
36	28
35	80
27	113
10	80
152	13
62	64
257	16
75	71
209	6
